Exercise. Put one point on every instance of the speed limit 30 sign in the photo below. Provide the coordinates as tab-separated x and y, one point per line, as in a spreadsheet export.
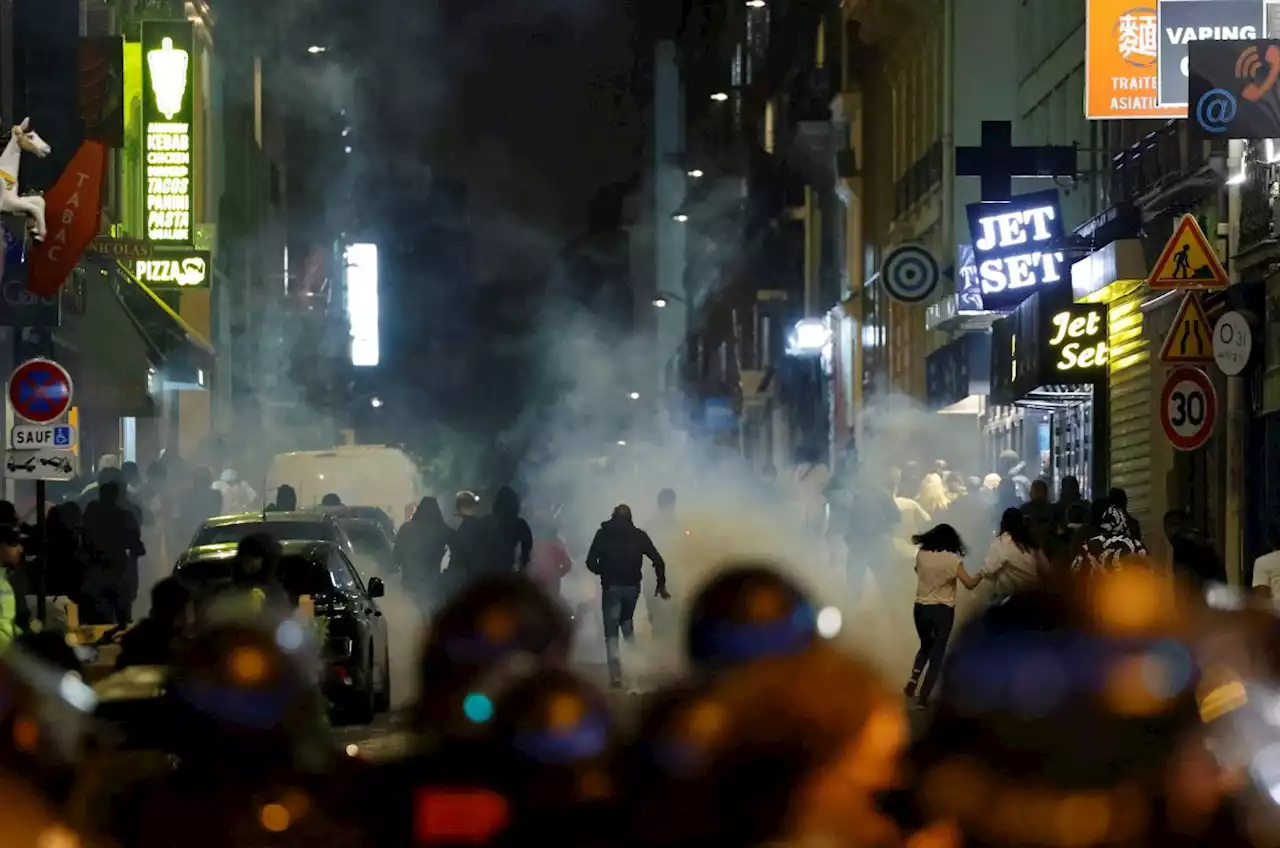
1188	408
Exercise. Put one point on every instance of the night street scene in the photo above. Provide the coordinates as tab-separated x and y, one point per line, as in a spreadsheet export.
610	423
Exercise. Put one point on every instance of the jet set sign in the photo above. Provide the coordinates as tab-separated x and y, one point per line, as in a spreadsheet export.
185	271
1017	247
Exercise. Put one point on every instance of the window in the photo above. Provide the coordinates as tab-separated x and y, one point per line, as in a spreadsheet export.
220	534
342	574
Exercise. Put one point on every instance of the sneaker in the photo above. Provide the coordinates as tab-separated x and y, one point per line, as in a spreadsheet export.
910	689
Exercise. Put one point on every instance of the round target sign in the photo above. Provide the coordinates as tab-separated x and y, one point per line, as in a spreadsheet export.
910	274
1188	408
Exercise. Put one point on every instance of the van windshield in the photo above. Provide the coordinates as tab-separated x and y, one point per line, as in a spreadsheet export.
283	531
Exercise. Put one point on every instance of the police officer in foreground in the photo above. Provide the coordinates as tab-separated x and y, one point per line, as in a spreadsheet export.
748	611
499	624
1093	717
255	759
44	727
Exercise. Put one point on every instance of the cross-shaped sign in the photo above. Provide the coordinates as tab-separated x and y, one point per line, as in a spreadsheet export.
997	161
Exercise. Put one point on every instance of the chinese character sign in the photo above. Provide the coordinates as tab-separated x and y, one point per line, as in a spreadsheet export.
168	92
1122	45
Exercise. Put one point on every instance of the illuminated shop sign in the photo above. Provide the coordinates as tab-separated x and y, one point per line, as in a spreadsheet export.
168	87
1048	342
1079	339
1014	247
183	270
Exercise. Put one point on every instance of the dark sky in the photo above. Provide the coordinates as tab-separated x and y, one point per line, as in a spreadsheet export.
531	103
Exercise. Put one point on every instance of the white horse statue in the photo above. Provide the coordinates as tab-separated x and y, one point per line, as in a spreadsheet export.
10	160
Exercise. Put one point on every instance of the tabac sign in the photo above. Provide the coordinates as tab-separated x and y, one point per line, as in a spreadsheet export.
168	91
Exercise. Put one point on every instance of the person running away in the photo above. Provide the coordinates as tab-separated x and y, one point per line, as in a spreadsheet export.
939	565
617	555
1106	550
419	550
551	561
1014	561
468	544
509	534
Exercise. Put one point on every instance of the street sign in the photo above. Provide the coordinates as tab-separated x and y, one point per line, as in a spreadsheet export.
1190	339
1232	343
40	391
35	436
1188	408
910	274
1187	261
43	464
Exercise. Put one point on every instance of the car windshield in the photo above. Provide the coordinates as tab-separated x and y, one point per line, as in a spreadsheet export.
302	531
299	575
367	538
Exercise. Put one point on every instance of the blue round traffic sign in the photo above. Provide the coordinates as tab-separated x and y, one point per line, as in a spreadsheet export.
910	274
40	391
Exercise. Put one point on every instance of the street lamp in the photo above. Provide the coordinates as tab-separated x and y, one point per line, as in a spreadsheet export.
376	402
696	173
316	48
622	443
720	97
662	298
809	337
634	396
756	4
680	217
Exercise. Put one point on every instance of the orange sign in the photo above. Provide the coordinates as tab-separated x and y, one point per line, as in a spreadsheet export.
1122	38
1187	261
73	208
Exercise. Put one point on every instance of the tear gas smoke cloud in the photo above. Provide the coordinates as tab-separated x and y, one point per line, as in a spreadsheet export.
727	510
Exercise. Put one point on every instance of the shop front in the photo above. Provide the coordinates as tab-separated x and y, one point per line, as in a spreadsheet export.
1048	402
957	382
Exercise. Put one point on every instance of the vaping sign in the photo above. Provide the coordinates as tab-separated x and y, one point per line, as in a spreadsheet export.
1187	22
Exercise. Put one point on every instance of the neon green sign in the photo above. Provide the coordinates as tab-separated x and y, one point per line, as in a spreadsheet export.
168	77
169	192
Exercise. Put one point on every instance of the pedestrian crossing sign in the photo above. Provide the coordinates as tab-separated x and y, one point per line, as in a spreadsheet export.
1187	261
1190	339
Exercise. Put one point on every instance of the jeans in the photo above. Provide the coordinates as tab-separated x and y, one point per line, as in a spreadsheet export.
617	608
933	625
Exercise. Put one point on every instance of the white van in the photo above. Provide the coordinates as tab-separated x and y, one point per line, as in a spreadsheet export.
361	475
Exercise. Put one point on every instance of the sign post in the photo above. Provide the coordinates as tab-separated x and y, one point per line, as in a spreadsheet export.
40	392
1188	408
910	274
1190	339
1187	261
1232	343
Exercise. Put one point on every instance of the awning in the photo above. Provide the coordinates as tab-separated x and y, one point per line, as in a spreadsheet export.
181	356
111	375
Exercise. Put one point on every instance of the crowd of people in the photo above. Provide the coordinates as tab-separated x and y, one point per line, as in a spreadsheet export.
1124	711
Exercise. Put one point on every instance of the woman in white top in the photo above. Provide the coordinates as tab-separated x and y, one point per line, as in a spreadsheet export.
1014	561
939	564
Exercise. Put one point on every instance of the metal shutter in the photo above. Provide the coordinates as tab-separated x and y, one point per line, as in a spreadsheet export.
1130	395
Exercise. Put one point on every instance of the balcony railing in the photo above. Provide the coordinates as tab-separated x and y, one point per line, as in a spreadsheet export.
924	175
1163	163
1259	207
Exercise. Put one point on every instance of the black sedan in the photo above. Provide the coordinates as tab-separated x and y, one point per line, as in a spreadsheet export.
284	526
357	674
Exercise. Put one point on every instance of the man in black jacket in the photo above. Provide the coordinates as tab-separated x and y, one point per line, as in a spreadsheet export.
616	556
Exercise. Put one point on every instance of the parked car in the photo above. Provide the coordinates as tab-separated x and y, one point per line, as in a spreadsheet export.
283	526
357	678
375	550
